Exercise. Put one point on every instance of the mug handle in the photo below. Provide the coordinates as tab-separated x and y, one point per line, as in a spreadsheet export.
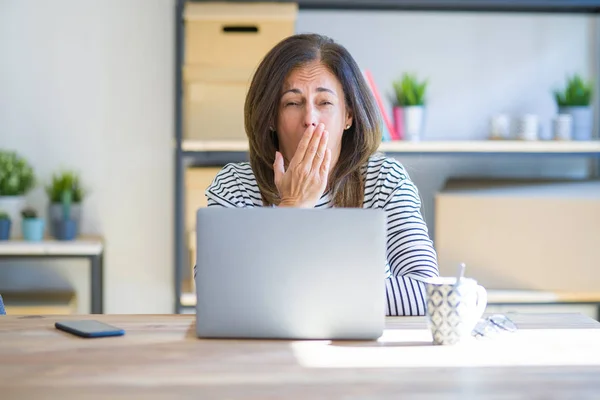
481	302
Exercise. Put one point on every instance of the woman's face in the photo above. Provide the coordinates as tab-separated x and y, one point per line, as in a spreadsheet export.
311	95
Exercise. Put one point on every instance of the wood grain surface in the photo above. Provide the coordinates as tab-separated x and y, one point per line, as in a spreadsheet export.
550	356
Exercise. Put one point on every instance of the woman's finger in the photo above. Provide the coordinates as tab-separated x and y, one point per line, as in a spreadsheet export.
278	168
320	154
313	146
302	146
325	165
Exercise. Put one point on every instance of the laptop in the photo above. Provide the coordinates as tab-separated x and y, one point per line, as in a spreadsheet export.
290	273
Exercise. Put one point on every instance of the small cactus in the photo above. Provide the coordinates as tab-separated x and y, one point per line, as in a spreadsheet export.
29	213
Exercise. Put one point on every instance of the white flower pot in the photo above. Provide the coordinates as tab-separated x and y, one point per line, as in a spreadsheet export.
583	119
414	120
13	205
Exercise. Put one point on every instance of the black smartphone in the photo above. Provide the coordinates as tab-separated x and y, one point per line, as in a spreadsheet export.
89	328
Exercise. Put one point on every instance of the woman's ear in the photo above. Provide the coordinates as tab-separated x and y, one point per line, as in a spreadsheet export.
348	121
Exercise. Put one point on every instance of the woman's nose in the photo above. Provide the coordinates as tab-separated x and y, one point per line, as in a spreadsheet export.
310	117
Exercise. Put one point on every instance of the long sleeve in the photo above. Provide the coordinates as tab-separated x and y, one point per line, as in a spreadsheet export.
233	187
410	252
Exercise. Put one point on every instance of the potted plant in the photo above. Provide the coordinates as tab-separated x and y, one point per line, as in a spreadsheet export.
16	179
575	100
65	228
33	226
65	186
4	226
410	105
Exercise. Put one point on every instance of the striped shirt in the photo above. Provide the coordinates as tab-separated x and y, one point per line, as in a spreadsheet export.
411	257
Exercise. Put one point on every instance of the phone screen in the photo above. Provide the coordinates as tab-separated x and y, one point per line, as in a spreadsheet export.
89	328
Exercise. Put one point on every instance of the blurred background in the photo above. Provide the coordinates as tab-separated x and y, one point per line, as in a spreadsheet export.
115	115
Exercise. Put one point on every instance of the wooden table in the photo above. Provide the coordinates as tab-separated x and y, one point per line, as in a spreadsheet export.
551	356
91	249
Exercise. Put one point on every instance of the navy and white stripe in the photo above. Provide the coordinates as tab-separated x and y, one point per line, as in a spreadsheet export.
410	252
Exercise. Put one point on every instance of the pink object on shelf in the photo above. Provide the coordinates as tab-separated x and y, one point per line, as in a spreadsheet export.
379	101
399	122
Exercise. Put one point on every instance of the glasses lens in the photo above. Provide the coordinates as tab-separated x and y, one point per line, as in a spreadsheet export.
503	322
493	326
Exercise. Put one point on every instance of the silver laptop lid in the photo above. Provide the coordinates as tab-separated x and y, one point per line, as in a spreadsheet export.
290	273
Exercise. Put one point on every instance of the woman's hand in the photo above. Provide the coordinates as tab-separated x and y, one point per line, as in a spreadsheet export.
305	180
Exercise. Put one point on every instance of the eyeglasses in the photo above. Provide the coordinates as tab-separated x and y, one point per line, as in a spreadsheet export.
493	326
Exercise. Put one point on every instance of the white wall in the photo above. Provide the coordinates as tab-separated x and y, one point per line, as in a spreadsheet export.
478	64
89	85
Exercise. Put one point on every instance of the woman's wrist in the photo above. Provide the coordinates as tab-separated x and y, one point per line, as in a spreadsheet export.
288	203
294	203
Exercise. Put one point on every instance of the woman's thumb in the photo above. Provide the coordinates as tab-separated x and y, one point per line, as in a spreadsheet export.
278	167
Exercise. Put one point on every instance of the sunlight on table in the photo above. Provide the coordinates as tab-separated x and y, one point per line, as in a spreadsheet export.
414	349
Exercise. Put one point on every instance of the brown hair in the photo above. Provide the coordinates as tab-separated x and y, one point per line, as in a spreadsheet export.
346	181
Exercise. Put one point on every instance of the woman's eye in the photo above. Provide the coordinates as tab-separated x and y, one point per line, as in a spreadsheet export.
291	104
327	103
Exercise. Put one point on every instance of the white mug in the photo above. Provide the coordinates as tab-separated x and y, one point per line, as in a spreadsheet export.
528	127
562	127
500	127
454	309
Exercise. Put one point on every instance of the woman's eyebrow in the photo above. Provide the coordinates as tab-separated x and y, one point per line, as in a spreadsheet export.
296	91
324	89
319	89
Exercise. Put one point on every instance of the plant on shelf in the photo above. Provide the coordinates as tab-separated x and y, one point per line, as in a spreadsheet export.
33	226
66	194
409	105
29	213
65	180
65	228
16	175
4	226
17	178
410	91
575	100
577	93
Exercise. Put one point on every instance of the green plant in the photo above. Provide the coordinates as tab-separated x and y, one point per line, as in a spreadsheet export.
29	212
65	181
16	175
577	93
3	215
410	91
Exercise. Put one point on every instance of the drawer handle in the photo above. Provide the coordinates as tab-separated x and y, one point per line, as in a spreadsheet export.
240	29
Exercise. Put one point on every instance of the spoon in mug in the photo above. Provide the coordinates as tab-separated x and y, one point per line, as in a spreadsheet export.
461	273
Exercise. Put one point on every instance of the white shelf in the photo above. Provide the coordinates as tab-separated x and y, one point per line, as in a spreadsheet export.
210	145
535	296
79	247
494	297
492	146
188	299
474	146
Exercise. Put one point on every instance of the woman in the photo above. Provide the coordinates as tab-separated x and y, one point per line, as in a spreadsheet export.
313	131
